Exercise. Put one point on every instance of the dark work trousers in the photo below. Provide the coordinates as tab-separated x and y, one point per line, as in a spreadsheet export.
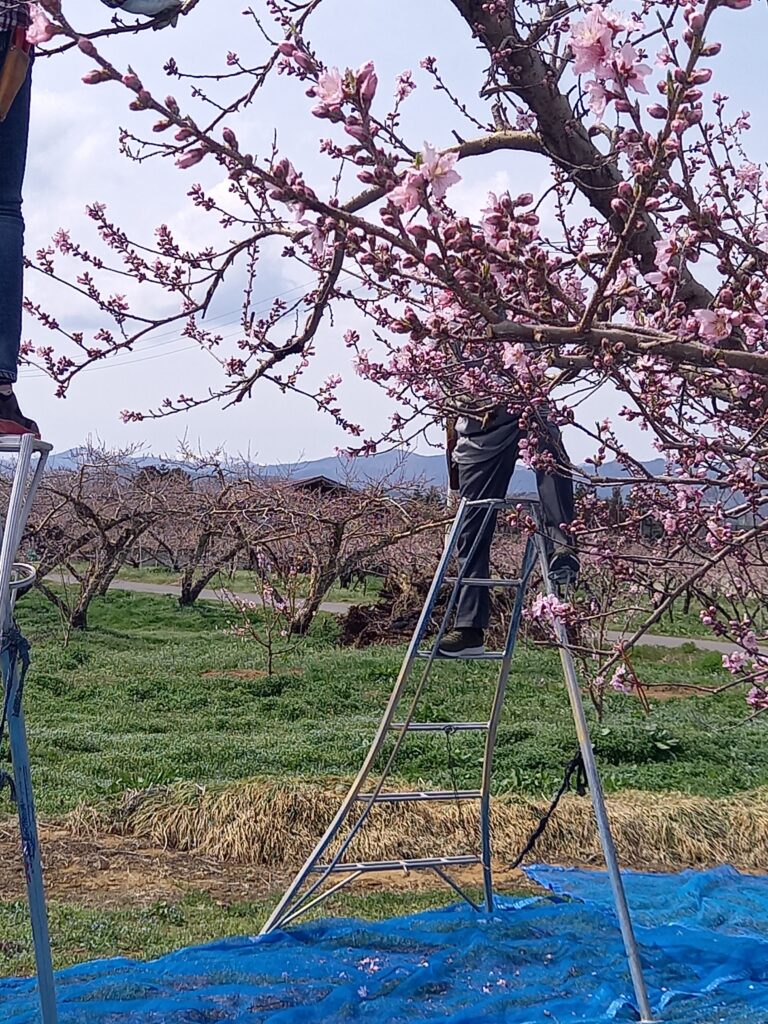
490	479
13	156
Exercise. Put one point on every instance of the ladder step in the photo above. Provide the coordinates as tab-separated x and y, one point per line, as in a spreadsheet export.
440	726
397	865
487	656
413	797
12	443
483	583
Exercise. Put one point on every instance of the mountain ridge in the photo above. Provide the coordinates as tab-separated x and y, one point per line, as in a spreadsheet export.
430	470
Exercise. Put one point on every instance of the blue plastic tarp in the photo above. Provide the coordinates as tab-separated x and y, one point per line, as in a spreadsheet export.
542	960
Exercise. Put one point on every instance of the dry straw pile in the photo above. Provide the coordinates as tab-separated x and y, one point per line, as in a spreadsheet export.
276	824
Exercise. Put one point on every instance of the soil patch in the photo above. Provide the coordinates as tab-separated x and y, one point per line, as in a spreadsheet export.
108	871
672	692
119	871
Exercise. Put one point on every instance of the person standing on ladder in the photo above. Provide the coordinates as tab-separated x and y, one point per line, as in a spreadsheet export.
482	455
15	88
16	58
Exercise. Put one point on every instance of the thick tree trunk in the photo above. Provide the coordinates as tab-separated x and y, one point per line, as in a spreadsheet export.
78	618
564	137
319	585
192	588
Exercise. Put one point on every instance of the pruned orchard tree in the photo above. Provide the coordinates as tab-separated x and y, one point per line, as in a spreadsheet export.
207	531
325	534
85	523
640	270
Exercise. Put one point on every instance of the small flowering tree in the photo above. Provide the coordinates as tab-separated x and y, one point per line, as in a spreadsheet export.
266	620
211	526
327	535
639	272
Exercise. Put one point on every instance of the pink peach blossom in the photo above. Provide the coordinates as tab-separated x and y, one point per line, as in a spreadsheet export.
437	169
632	72
592	43
598	97
713	325
330	88
41	29
407	195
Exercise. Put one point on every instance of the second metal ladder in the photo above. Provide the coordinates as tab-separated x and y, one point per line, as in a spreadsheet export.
15	579
326	872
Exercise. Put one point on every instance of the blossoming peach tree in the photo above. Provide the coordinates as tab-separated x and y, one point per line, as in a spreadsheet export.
652	287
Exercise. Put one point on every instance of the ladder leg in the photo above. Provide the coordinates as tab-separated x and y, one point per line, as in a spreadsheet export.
529	561
19	504
598	801
25	484
30	845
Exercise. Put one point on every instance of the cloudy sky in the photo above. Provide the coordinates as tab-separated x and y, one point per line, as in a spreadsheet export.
74	160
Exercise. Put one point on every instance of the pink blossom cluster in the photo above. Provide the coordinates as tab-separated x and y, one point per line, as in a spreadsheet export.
332	89
549	608
757	698
620	680
616	68
433	173
41	28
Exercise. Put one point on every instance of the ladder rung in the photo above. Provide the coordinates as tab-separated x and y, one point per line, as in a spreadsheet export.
397	865
488	656
12	443
413	797
440	726
483	583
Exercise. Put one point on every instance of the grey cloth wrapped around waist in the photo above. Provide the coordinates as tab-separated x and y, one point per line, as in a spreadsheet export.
477	443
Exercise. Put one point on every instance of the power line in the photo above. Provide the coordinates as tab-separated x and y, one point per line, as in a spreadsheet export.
111	364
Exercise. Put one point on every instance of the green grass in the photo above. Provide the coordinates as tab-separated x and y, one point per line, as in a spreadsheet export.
144	697
80	934
676	622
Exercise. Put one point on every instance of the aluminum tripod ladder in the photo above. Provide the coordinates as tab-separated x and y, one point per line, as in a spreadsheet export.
317	879
16	578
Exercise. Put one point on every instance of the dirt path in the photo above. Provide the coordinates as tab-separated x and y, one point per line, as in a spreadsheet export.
172	590
652	640
341	608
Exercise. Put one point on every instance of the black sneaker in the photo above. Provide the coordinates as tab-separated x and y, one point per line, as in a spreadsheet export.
564	568
462	643
11	419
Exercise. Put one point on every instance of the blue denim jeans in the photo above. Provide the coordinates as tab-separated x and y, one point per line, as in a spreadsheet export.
14	132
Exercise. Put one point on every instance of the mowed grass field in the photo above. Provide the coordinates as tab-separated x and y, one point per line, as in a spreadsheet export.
153	694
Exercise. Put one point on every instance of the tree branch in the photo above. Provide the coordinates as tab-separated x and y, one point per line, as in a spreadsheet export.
521	142
633	340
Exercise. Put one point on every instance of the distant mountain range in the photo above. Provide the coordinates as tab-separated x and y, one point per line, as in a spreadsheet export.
430	470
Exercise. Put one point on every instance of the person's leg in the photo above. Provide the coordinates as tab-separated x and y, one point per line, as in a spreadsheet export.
489	479
14	132
557	505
